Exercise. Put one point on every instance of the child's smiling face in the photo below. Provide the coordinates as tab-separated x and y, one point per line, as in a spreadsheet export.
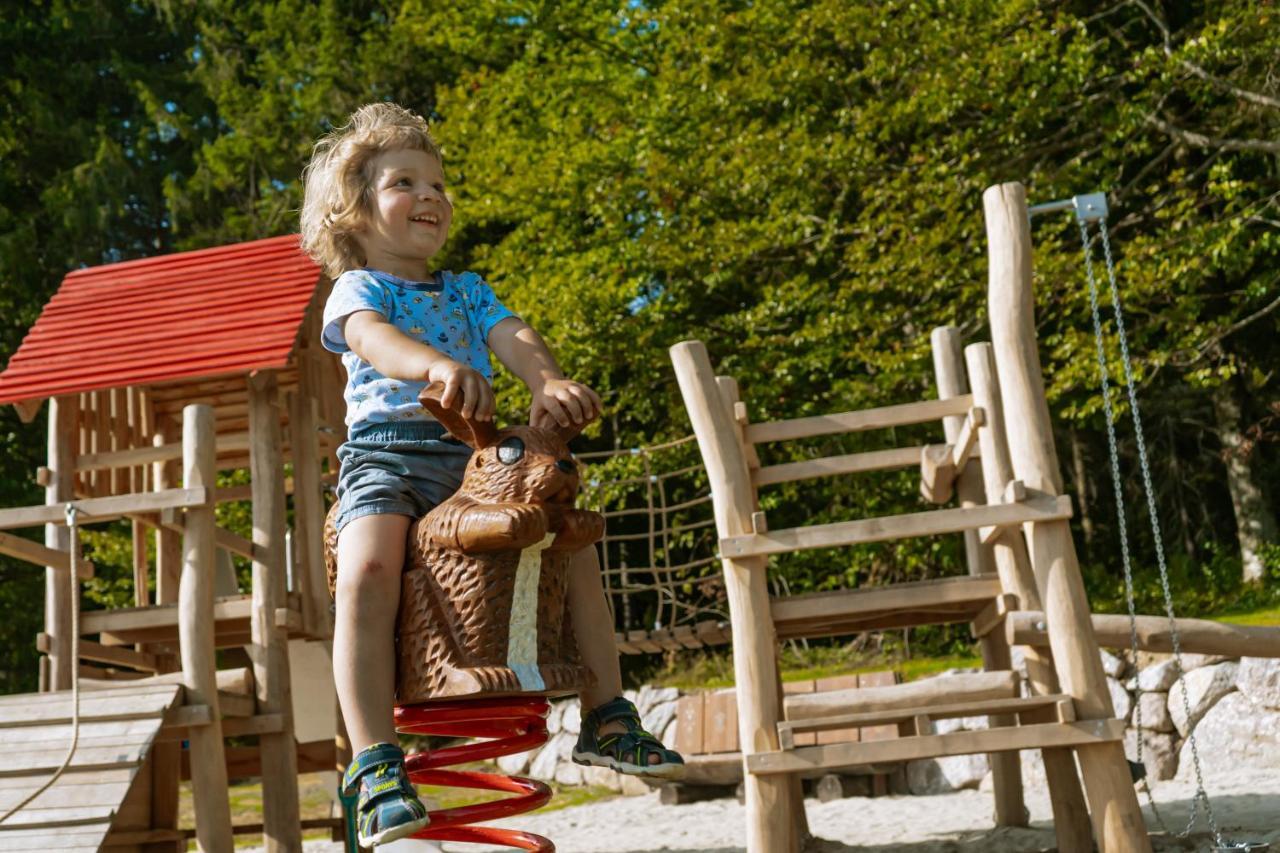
410	214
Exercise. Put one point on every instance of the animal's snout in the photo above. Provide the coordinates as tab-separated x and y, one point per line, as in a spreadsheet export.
565	466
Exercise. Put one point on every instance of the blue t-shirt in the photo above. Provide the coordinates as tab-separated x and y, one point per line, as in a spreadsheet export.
451	313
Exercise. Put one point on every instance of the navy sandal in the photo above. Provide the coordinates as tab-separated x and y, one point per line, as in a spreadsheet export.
388	808
626	752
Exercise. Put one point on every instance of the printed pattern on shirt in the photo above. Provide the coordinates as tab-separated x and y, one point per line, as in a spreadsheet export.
453	314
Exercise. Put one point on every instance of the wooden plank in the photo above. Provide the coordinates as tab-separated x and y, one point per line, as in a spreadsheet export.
828	466
45	761
967	441
42	708
42	555
790	688
720	714
937	473
829	685
979	708
917	596
1037	508
993	615
916	694
866	419
883	678
16	787
104	509
92	732
159	615
1199	636
1040	736
99	653
690	713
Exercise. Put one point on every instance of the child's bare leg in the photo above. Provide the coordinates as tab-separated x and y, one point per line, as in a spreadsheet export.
370	560
593	629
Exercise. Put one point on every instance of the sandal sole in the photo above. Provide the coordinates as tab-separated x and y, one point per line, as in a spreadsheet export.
395	833
668	771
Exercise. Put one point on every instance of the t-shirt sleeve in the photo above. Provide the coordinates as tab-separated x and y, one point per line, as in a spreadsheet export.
355	290
486	310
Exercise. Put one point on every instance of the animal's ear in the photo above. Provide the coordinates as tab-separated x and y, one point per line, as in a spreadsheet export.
564	433
475	434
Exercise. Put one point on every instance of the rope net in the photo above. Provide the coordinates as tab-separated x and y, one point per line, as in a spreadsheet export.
659	553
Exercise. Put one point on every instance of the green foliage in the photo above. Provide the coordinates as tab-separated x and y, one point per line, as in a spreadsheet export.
795	183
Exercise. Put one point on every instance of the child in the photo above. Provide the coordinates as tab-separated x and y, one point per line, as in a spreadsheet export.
375	212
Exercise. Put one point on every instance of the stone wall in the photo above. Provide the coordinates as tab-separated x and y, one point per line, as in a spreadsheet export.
1232	706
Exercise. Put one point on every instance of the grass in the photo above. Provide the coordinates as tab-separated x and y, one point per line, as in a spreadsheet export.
1262	616
314	795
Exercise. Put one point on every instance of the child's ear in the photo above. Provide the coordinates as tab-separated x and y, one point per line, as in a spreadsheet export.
475	434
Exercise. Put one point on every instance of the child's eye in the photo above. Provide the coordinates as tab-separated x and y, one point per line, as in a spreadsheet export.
404	182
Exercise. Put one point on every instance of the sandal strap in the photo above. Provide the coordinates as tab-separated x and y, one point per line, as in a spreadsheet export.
635	747
369	760
618	708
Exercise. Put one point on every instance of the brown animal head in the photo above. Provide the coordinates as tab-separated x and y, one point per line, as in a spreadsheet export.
518	464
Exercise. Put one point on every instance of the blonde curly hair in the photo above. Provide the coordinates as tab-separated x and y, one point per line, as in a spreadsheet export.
338	182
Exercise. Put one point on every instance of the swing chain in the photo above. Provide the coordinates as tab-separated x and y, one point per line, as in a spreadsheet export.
1201	795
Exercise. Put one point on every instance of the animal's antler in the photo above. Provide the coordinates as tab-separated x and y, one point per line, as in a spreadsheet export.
474	433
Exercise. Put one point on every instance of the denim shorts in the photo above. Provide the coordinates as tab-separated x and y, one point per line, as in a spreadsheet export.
404	468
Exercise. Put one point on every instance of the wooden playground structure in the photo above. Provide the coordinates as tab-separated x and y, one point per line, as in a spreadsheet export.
1024	585
140	428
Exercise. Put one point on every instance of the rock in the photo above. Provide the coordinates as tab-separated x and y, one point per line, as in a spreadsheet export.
1259	679
632	786
644	699
940	775
1112	665
665	694
603	777
568	773
571	718
1018	656
1120	699
514	764
1235	734
657	718
543	765
1033	769
554	716
1196	661
1155	712
669	733
1205	686
1159	677
959	724
1159	753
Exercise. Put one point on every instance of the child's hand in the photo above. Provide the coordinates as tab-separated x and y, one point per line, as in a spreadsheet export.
563	402
467	383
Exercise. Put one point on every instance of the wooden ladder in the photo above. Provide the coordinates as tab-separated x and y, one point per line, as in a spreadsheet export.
1014	518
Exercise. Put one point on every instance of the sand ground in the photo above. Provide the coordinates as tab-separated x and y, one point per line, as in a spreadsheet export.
1246	805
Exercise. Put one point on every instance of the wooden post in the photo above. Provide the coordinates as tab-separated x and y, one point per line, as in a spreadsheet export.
195	636
270	647
770	829
1113	805
1006	770
168	543
1070	815
63	413
308	508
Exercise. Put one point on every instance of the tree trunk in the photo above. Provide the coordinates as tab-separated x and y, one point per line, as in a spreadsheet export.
1082	488
1255	523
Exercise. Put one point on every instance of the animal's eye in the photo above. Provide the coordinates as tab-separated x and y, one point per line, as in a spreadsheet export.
510	451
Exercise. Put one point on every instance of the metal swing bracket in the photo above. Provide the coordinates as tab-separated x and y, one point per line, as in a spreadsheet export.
1089	207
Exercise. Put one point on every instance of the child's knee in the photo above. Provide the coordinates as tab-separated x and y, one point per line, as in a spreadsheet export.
369	571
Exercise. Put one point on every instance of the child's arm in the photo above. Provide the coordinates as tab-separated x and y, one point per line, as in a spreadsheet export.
397	356
555	398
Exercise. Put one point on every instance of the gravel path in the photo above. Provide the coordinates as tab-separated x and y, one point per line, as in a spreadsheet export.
1247	807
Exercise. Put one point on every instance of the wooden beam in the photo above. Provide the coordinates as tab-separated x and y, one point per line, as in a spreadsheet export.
1038	508
104	509
852	463
270	648
63	415
966	687
196	629
1040	736
979	708
98	653
1155	634
1113	805
43	555
937	472
866	419
770	826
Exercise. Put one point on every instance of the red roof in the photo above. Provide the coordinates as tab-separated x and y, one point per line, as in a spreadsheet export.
213	311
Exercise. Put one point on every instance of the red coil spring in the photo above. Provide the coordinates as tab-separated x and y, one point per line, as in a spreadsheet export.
511	725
